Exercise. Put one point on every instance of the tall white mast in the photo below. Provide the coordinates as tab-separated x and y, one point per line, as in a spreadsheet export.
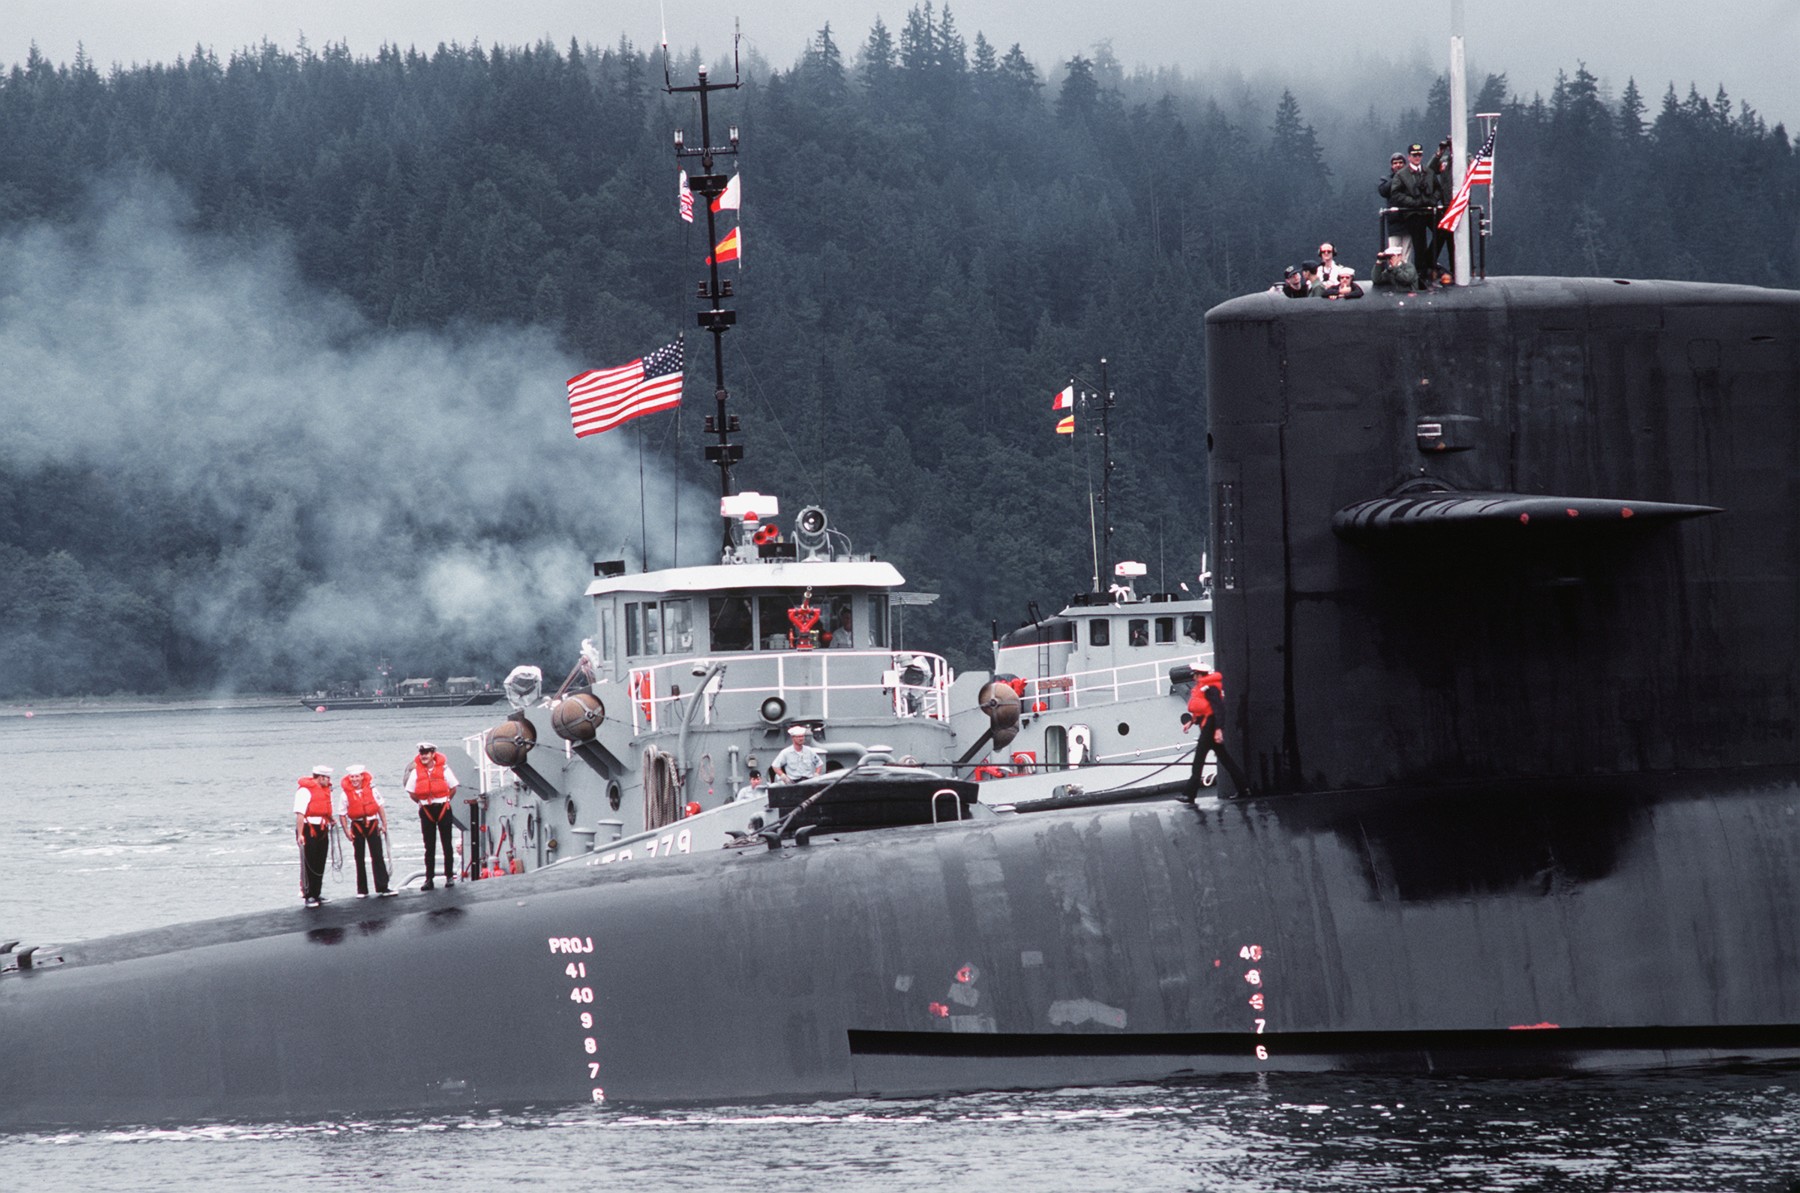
1459	135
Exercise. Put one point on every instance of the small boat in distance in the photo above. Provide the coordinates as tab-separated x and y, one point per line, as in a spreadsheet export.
457	691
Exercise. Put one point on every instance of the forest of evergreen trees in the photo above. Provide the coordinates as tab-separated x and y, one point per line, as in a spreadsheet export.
938	232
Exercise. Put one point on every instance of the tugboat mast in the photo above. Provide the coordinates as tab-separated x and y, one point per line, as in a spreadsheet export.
716	319
1106	399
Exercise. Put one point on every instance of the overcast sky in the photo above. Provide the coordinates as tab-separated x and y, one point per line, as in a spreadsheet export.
1751	46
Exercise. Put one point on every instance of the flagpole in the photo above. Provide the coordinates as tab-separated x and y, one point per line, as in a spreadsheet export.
1093	543
1106	405
643	525
1490	121
1459	136
1087	470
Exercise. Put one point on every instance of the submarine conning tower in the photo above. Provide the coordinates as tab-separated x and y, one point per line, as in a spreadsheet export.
1536	528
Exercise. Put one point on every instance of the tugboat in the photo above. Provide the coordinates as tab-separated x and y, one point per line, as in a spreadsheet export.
660	738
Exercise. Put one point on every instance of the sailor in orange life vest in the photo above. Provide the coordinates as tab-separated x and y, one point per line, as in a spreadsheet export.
432	784
365	823
1208	687
314	810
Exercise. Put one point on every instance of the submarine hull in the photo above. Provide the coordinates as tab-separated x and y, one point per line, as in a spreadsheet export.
1581	927
1525	795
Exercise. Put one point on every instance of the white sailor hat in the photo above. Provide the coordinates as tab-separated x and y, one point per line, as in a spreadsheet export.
425	745
321	770
797	730
356	768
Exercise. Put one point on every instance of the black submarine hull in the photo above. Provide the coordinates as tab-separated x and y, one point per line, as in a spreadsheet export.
1507	586
1537	929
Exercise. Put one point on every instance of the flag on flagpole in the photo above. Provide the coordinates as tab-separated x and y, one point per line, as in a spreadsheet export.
727	250
1065	399
1066	425
1481	173
687	199
728	198
601	399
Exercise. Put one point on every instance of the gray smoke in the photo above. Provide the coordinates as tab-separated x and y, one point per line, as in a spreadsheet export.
375	492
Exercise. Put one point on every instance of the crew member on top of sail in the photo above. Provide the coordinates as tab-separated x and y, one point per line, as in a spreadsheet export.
432	785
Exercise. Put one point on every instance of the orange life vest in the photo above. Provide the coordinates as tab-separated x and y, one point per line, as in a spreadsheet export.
359	795
318	802
428	778
1198	704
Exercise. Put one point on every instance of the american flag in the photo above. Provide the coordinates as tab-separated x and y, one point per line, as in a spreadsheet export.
1481	173
687	199
601	399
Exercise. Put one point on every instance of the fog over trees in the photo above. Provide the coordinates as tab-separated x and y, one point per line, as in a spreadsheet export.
283	337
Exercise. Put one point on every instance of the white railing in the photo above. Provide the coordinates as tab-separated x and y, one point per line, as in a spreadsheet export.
929	699
489	775
1102	686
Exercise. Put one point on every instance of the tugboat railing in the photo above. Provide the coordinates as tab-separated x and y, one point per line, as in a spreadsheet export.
1099	687
653	689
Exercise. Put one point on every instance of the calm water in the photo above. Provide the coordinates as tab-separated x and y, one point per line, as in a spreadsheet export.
121	821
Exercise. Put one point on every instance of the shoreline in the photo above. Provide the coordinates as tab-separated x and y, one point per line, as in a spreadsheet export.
75	705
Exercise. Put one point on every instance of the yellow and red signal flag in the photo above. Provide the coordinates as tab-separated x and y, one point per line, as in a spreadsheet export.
728	249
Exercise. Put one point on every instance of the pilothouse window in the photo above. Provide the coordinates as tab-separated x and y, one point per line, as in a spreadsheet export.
1165	629
772	620
677	628
1099	632
652	629
875	625
1194	626
732	629
842	624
